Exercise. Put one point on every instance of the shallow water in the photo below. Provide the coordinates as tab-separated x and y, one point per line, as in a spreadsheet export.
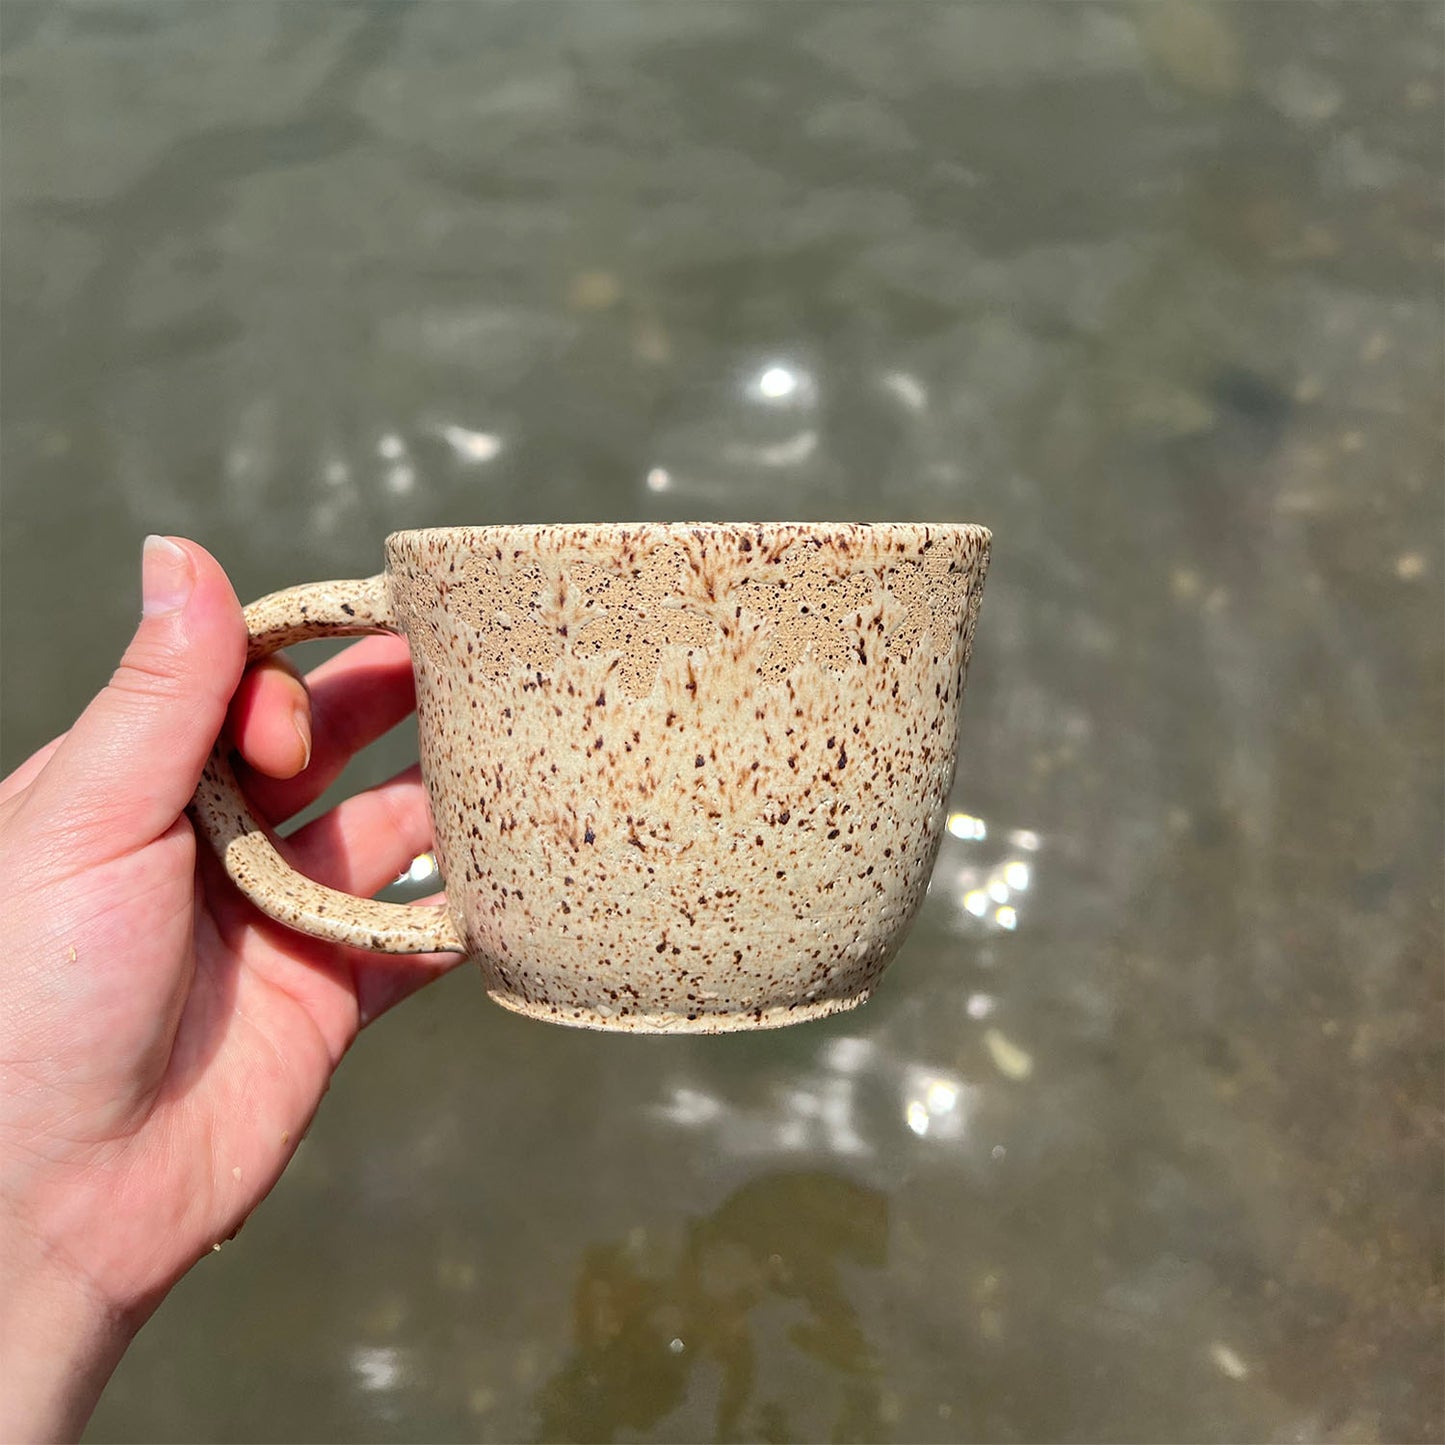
1141	1139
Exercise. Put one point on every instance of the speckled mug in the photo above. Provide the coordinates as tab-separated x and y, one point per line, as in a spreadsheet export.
683	778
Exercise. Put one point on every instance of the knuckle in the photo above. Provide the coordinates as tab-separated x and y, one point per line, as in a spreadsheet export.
144	675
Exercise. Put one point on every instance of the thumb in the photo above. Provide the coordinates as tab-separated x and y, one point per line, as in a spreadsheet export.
128	767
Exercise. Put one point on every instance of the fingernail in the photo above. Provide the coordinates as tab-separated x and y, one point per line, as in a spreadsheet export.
303	731
167	577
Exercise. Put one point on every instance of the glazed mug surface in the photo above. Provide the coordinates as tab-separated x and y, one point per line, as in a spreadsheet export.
682	777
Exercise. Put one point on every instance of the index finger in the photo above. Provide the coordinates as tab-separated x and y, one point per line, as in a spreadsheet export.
356	697
269	719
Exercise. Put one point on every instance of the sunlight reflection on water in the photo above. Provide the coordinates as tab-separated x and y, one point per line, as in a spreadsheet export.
987	883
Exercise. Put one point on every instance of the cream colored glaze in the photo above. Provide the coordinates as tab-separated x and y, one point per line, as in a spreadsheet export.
687	778
683	778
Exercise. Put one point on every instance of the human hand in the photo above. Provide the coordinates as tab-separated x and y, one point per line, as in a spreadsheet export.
163	1045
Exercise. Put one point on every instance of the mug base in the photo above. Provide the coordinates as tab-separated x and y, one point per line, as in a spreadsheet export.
777	1017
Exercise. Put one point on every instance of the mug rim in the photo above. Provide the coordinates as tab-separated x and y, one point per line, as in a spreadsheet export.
620	531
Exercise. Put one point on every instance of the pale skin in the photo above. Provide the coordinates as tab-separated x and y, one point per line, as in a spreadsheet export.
163	1046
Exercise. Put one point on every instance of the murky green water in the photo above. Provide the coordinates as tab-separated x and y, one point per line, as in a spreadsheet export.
1142	1138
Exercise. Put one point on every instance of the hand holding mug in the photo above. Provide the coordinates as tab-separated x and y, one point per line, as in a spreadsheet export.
683	778
163	1045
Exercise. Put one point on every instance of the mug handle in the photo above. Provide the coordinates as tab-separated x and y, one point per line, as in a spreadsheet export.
250	858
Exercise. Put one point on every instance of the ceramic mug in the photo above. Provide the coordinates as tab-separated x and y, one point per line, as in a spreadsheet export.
682	777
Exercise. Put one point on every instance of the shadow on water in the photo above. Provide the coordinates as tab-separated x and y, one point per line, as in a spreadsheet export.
642	1336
